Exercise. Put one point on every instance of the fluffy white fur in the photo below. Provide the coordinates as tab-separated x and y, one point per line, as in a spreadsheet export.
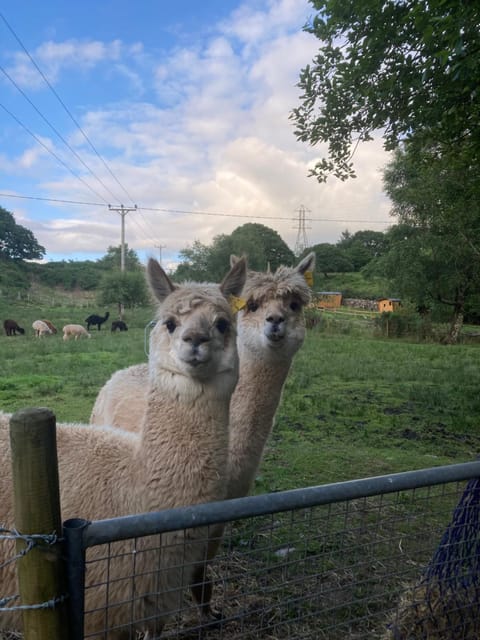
41	328
271	329
178	458
75	331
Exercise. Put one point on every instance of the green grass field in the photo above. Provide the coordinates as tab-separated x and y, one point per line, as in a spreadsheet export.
354	405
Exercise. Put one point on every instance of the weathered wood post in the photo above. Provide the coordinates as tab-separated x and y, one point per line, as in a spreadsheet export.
41	571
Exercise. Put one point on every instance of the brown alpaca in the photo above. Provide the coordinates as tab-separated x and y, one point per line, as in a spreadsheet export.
178	458
271	329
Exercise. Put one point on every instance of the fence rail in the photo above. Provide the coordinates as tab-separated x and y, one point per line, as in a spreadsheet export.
393	557
344	560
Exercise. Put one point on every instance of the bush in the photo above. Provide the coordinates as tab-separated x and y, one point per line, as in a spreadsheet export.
401	324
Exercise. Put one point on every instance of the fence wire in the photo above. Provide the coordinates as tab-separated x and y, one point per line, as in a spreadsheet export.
354	569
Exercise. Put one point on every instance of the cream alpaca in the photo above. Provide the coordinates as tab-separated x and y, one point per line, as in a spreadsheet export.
178	458
41	328
75	331
271	329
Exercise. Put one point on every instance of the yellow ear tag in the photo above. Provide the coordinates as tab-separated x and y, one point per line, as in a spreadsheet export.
308	275
237	303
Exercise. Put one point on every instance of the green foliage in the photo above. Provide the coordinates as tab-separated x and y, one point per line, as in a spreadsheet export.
12	276
363	246
410	69
400	324
17	242
70	275
263	247
126	288
435	255
112	259
330	258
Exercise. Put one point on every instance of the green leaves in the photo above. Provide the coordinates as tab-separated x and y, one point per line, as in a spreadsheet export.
17	242
408	68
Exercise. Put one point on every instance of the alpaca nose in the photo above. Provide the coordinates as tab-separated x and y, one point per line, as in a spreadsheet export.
195	338
275	319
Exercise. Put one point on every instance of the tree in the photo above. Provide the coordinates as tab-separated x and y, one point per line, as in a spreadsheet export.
17	242
112	259
193	263
263	247
435	251
123	288
362	247
329	258
410	68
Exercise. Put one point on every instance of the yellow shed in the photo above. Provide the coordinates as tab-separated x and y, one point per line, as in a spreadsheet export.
328	299
389	304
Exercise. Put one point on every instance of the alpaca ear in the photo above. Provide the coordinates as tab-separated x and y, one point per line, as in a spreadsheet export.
233	260
306	267
307	264
233	282
159	282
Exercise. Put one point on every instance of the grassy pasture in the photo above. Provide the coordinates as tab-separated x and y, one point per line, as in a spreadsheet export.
354	405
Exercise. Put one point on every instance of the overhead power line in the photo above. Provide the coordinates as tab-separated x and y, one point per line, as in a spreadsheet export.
52	153
69	113
8	76
201	213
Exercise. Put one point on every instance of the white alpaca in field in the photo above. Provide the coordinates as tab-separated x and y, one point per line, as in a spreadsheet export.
271	329
75	331
178	458
41	329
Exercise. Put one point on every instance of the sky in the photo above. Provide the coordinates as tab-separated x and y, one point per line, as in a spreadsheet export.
176	111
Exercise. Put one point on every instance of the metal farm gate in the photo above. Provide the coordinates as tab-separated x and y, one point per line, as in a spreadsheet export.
395	557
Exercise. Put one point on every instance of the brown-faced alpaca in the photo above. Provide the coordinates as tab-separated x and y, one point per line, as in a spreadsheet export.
271	329
178	458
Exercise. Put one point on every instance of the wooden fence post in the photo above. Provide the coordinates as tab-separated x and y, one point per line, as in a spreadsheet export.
41	571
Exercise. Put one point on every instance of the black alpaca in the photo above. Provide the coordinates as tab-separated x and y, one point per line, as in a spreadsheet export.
96	320
120	325
11	328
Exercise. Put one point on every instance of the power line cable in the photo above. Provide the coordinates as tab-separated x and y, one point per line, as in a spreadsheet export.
7	75
203	213
67	110
52	153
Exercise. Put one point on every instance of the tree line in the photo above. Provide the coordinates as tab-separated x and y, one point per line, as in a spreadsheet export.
411	71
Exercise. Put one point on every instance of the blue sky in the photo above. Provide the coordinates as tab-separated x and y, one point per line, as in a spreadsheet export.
179	108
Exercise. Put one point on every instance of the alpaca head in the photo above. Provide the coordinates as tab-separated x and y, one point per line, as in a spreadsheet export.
195	335
272	325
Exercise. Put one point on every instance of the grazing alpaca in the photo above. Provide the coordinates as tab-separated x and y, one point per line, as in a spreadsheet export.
271	329
52	327
11	328
120	325
178	458
96	320
75	331
41	329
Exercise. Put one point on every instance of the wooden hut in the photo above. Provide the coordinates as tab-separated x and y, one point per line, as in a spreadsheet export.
328	299
389	304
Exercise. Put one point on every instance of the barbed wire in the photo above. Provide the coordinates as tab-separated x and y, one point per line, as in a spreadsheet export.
31	541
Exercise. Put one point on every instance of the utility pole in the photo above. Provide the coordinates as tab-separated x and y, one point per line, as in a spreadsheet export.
123	212
160	247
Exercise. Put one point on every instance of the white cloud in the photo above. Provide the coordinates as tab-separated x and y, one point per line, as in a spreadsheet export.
206	129
53	58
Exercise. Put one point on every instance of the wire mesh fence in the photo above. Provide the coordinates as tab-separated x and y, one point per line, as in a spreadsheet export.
394	557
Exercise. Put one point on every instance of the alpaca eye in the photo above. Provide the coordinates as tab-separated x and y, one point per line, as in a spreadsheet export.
252	306
171	326
222	325
294	306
